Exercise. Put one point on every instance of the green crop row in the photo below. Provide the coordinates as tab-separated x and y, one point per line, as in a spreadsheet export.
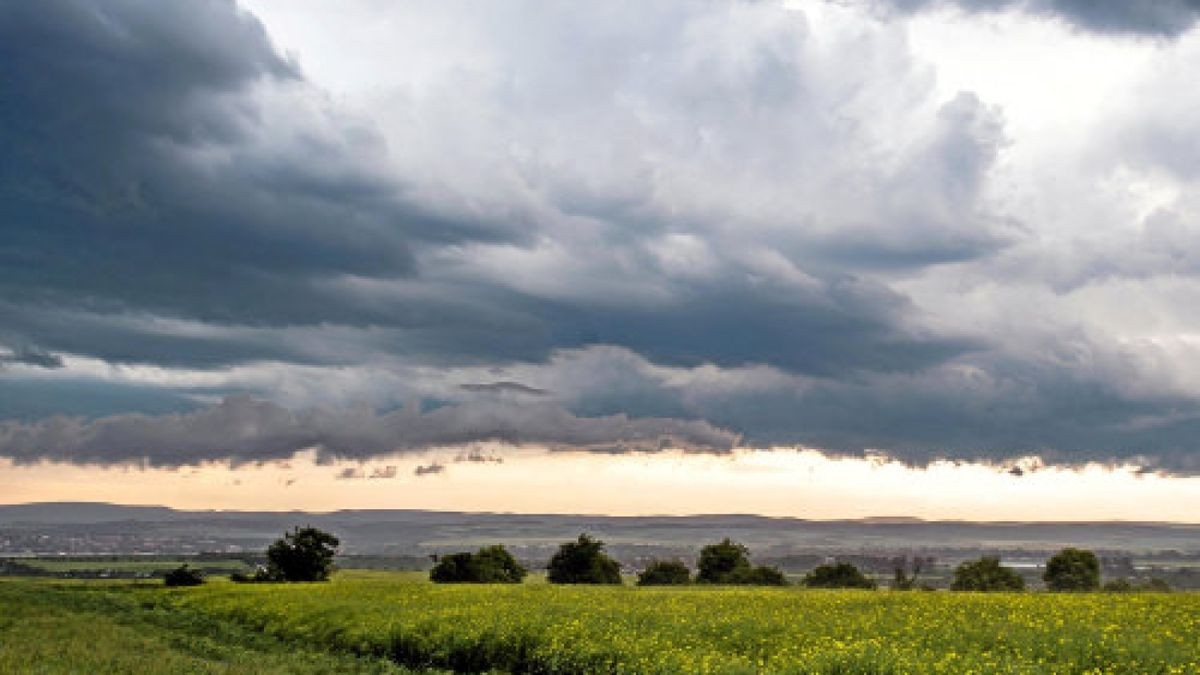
557	629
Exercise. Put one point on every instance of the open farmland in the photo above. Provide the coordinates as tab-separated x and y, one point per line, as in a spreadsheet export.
537	627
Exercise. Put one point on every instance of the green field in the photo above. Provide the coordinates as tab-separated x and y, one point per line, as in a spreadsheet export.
360	622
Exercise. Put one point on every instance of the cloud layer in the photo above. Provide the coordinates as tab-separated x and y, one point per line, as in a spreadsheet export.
612	228
243	429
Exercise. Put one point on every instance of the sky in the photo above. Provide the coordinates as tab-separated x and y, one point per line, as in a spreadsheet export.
824	258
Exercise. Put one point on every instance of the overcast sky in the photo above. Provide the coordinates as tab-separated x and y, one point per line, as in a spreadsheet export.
930	229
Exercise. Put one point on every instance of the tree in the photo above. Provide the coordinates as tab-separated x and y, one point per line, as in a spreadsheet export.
583	561
719	562
728	562
986	574
304	554
184	576
1072	569
665	573
489	565
837	575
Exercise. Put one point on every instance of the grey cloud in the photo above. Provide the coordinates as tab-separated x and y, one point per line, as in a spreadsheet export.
1165	18
268	228
503	388
477	457
242	429
429	469
31	356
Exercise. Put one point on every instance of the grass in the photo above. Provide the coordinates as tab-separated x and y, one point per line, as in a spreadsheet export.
55	627
372	618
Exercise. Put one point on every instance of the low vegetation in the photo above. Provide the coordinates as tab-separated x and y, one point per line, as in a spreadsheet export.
838	575
489	565
1072	569
583	561
986	574
709	629
589	621
184	576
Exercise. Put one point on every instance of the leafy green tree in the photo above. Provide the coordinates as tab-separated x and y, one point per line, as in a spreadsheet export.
986	574
665	573
304	554
728	562
583	561
719	562
1072	569
184	576
837	575
760	575
489	565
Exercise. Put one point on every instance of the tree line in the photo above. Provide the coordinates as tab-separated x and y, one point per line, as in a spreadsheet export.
307	554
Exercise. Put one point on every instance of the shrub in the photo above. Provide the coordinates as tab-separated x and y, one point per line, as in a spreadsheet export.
184	576
583	561
837	575
490	565
761	575
665	573
728	562
1118	586
986	574
304	554
719	562
1072	569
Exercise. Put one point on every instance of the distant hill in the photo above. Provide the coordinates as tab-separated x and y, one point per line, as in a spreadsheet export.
112	528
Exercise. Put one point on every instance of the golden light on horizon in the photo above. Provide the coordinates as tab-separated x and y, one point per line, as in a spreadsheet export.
779	482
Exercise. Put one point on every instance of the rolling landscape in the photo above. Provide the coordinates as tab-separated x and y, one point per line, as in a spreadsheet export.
574	337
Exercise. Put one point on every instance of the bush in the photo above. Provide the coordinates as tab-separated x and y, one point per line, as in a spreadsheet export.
665	573
583	561
490	565
1072	569
719	562
837	575
986	574
757	576
1118	586
304	554
728	562
184	576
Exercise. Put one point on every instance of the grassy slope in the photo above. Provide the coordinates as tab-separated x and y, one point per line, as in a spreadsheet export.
51	627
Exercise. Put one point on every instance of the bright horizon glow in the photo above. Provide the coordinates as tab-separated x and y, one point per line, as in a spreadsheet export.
792	483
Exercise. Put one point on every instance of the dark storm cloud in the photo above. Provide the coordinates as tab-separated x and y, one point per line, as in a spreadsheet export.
1165	18
978	408
243	429
503	388
31	356
149	163
725	188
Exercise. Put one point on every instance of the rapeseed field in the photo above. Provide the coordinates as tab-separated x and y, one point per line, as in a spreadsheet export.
542	628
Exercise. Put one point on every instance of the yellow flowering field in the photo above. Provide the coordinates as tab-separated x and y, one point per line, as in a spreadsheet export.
554	629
